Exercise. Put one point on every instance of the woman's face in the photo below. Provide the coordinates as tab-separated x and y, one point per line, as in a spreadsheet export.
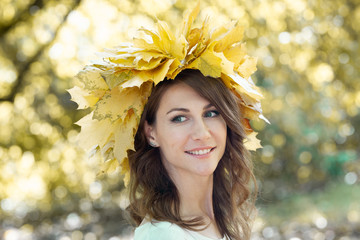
189	131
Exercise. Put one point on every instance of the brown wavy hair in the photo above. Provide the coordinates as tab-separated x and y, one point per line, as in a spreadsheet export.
153	193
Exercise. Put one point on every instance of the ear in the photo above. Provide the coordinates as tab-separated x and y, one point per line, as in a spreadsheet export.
150	134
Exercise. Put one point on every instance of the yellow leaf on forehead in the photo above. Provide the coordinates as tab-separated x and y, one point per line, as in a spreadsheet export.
247	67
252	143
233	36
124	137
82	97
116	103
94	132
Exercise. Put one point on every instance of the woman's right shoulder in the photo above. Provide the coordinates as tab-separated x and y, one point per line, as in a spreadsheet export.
159	231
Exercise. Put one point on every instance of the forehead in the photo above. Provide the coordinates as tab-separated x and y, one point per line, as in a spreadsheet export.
181	95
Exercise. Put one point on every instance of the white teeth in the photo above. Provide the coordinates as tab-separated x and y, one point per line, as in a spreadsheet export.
200	152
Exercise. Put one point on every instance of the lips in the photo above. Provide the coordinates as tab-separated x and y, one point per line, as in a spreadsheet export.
200	152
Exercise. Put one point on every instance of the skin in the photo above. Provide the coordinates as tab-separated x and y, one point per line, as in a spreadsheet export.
191	135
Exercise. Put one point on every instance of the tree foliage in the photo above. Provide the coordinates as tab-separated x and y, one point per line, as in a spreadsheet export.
308	54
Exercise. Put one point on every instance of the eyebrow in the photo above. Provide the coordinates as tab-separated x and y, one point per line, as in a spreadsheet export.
187	110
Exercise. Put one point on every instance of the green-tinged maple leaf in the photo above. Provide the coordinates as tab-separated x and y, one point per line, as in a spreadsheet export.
91	78
114	78
116	103
208	64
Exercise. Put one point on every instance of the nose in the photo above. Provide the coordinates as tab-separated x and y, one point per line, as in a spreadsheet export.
200	130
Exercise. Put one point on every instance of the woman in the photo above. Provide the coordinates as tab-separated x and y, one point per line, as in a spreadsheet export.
172	112
190	171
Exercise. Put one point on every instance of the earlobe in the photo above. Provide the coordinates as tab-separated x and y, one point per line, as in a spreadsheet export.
150	135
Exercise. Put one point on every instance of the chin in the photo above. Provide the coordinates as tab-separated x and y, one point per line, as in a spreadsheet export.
205	171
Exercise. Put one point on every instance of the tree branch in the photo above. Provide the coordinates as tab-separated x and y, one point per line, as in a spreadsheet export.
25	67
20	16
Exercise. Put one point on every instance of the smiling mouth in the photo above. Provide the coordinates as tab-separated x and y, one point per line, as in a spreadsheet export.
200	152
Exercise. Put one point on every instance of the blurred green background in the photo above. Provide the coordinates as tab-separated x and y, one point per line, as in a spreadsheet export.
308	68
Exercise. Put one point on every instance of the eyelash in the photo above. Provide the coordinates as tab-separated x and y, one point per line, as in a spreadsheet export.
214	113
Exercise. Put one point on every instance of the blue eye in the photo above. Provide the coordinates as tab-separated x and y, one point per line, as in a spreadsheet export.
178	119
212	113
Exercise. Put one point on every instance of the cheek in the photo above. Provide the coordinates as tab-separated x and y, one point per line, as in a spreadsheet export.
219	129
172	138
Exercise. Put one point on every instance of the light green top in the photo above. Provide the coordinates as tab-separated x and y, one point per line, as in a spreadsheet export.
167	231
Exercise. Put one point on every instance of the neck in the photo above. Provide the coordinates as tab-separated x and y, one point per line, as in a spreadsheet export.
195	194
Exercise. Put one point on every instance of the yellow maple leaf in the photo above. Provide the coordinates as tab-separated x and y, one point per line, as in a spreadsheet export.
166	36
138	78
191	16
125	170
115	104
124	137
220	31
235	53
227	66
91	79
234	35
248	112
94	132
251	142
194	37
247	67
174	66
147	55
158	74
114	77
144	65
208	63
109	166
245	86
82	97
